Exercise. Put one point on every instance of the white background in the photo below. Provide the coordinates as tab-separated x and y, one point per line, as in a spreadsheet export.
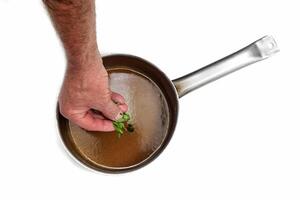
237	138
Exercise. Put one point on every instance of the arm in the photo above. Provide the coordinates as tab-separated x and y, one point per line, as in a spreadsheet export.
85	85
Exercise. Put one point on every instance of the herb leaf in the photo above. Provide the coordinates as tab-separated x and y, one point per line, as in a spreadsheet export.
121	125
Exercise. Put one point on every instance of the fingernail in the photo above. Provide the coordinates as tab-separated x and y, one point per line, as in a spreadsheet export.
115	102
119	116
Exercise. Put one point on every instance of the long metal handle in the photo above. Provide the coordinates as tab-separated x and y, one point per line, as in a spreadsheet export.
256	51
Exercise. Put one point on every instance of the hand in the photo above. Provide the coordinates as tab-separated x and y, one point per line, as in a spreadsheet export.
85	89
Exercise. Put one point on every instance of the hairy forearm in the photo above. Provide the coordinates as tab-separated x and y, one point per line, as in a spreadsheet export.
74	21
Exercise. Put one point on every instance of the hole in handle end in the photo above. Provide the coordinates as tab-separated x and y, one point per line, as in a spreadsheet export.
267	46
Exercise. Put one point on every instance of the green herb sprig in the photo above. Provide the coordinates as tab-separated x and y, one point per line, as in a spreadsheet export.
122	124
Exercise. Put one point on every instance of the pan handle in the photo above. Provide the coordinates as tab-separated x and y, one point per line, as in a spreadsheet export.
256	51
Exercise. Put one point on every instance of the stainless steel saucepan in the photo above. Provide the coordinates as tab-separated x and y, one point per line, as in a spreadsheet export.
153	105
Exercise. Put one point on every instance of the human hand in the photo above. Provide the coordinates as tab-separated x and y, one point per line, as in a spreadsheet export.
85	89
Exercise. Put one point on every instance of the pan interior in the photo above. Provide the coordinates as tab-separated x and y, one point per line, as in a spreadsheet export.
149	111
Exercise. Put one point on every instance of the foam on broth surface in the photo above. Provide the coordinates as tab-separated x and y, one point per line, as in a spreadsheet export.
149	115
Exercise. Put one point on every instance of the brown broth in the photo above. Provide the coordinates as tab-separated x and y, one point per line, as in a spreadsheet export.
149	115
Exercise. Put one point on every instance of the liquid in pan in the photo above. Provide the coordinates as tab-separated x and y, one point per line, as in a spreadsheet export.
148	109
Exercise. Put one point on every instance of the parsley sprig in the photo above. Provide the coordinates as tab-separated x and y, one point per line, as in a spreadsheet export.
122	125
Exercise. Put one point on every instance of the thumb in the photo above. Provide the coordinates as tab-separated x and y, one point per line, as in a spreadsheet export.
111	110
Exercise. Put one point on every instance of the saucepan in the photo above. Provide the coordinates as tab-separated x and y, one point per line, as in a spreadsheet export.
153	106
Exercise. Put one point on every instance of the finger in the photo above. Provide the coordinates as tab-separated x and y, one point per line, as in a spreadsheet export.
91	123
97	114
123	107
111	111
116	97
